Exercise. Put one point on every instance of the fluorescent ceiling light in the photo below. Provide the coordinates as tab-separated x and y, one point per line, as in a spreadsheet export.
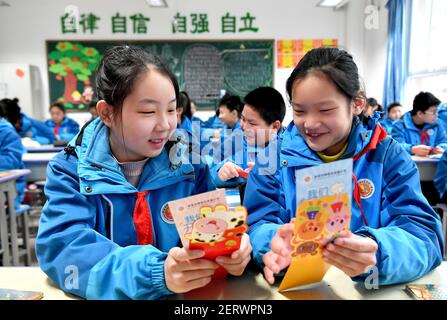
332	3
157	3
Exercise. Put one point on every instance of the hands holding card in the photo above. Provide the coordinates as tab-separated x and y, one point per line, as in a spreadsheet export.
214	241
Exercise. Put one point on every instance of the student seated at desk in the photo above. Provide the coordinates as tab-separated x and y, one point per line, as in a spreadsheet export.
371	107
11	151
393	227
394	113
184	113
106	218
62	126
25	126
442	114
92	109
440	181
193	112
262	115
230	109
419	131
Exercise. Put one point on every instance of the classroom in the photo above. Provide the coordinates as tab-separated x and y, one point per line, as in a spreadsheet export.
223	150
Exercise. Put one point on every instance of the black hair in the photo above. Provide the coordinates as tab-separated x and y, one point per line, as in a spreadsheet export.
185	103
120	68
336	64
92	104
373	103
423	101
393	105
58	105
268	102
10	110
232	103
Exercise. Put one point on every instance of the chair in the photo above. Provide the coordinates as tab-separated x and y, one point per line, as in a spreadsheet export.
441	209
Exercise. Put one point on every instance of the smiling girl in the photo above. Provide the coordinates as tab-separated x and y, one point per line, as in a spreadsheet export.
393	226
106	231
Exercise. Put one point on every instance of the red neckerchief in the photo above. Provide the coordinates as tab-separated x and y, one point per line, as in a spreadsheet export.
424	137
378	136
142	219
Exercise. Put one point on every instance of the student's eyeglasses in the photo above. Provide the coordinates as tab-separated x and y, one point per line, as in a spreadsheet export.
433	113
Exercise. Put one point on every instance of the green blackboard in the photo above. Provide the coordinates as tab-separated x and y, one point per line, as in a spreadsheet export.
203	68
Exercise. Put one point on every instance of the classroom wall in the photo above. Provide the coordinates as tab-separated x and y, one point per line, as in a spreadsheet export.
26	25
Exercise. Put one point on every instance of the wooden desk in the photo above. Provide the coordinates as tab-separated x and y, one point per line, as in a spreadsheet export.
8	195
251	286
37	163
426	167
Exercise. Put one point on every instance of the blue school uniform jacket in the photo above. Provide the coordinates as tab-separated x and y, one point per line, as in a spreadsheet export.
388	124
68	128
248	153
36	130
87	241
405	132
442	114
441	175
186	125
11	151
406	228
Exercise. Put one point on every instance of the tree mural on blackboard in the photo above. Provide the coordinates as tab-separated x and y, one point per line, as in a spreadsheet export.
74	63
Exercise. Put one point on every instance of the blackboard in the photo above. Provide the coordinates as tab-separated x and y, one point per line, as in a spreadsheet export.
203	68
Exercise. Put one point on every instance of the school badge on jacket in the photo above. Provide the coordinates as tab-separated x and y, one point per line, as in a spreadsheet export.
366	188
166	214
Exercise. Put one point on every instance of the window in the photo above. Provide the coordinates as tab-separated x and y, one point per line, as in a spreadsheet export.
428	46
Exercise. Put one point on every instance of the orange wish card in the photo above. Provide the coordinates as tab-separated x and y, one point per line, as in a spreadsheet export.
186	211
218	232
319	218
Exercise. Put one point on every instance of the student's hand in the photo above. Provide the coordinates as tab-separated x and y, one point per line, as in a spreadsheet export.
229	171
351	253
279	256
437	150
216	134
236	263
58	138
250	166
184	271
421	150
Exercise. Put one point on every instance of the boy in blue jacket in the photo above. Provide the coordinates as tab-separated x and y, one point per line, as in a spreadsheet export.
393	227
419	131
261	119
106	231
11	151
394	113
62	126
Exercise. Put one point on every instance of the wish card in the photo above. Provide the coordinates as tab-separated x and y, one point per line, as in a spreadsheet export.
218	231
323	212
186	211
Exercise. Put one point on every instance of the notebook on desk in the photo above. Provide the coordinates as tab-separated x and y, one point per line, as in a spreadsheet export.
12	294
427	291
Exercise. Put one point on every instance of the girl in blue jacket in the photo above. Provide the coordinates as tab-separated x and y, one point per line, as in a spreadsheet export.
393	226
62	126
106	231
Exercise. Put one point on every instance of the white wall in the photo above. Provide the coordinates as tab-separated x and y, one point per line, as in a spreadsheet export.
26	25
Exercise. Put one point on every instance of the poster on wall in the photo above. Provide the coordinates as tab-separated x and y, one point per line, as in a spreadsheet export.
290	52
203	68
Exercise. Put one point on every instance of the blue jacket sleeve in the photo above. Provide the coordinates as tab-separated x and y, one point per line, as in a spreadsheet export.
265	205
441	175
398	133
224	184
80	259
441	137
11	150
72	129
410	237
